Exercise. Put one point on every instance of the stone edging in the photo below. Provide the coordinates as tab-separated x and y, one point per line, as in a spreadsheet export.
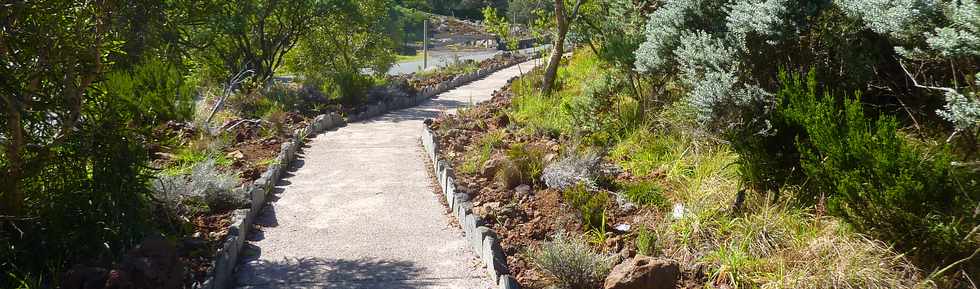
480	238
220	275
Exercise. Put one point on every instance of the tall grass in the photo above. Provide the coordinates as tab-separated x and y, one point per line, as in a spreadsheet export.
762	244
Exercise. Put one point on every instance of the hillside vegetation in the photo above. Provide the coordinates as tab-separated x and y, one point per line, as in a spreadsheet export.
762	144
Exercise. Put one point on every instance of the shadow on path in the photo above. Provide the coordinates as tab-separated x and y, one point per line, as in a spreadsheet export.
430	109
322	273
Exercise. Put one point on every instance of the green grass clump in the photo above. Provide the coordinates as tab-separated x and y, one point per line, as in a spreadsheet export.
456	67
590	204
185	158
408	58
647	193
481	151
644	152
646	241
524	165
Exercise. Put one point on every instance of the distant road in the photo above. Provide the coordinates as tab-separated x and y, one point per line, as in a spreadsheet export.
443	58
436	59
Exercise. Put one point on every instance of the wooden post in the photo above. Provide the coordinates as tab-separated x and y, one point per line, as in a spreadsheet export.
425	44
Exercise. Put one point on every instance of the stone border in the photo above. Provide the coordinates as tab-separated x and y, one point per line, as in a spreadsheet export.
221	273
481	239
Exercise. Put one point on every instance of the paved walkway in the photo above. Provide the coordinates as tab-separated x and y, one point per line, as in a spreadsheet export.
359	211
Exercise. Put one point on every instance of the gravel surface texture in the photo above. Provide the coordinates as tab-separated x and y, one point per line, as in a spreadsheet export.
358	210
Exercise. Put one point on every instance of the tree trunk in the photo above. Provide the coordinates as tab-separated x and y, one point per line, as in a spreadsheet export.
558	48
13	197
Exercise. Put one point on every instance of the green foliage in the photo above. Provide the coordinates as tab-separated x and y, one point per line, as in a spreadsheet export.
644	152
154	92
409	22
338	48
455	67
465	9
525	11
768	159
524	165
81	92
256	35
348	87
480	153
295	98
722	53
870	175
644	193
646	241
86	200
882	183
613	29
499	26
590	204
537	111
421	5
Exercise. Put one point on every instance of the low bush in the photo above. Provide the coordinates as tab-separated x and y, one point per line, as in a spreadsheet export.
573	170
204	189
274	124
589	203
883	184
300	98
524	165
570	263
152	92
348	88
869	174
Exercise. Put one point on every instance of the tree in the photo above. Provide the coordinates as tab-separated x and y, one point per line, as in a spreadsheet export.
523	11
257	34
499	26
52	54
340	47
562	23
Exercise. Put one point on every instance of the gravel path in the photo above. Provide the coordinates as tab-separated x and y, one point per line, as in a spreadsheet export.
358	210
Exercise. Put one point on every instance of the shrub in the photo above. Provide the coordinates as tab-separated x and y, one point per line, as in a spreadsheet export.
590	204
153	92
768	157
349	87
572	170
881	183
877	180
303	99
204	189
524	165
275	122
571	263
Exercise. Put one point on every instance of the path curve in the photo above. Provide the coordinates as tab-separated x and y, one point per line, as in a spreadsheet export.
358	209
